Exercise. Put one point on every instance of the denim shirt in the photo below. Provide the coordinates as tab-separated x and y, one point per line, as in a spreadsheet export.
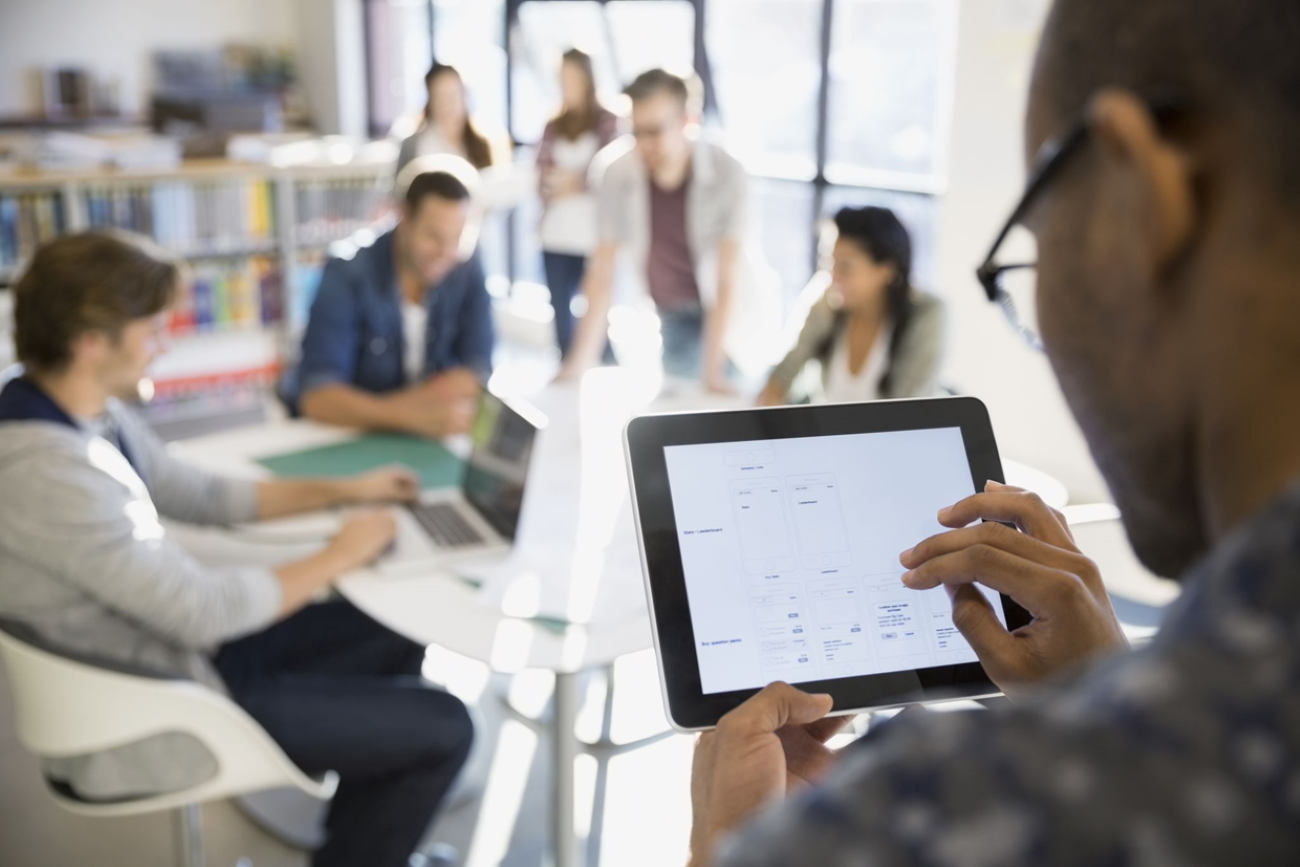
354	335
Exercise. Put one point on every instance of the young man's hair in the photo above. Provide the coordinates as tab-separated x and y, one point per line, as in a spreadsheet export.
443	176
93	281
686	89
1235	62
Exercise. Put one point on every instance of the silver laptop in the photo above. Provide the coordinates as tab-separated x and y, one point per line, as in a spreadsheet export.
482	516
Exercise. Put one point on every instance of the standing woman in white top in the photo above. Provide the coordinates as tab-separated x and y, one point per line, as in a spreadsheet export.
447	127
876	336
568	229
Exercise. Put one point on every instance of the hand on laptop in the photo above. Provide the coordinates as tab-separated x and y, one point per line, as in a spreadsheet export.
1039	567
385	485
771	744
364	536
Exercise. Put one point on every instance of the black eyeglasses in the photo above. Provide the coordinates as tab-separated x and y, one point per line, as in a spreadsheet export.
1012	286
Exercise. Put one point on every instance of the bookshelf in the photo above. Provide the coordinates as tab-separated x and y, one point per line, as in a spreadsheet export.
255	237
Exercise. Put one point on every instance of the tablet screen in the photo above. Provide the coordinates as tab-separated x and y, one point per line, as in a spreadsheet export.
790	554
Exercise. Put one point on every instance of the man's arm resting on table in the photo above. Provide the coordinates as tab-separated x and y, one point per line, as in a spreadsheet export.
363	538
598	285
345	405
418	410
281	497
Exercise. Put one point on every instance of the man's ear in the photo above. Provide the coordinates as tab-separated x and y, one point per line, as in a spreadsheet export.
91	346
1156	170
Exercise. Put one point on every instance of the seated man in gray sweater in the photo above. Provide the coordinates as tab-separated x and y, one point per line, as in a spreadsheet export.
87	569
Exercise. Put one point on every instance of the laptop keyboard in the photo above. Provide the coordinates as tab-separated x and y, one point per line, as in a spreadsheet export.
445	524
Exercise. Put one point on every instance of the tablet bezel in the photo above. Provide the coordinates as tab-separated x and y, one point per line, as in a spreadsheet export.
646	437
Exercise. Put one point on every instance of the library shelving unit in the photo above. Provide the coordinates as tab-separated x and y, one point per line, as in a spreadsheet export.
255	238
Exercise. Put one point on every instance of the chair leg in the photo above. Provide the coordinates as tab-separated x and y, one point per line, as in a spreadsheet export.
189	836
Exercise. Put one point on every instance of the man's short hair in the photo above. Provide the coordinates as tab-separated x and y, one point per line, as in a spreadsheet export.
686	89
444	176
1236	61
93	281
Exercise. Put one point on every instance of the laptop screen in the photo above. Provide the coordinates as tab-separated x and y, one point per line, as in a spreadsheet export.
498	464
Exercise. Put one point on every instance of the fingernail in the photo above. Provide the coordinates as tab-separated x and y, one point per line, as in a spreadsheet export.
906	555
908	578
943	513
994	485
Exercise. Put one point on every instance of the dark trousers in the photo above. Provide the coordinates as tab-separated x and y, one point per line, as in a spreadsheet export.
564	279
338	692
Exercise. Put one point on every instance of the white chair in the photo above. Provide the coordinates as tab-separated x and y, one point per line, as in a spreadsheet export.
64	707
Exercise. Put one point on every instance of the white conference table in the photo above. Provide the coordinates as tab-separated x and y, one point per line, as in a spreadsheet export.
569	598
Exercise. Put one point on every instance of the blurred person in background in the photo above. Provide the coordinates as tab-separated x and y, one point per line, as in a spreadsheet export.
676	205
447	126
874	334
569	144
400	335
88	569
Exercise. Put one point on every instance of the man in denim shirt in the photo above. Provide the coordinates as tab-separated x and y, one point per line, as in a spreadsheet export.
400	336
1166	206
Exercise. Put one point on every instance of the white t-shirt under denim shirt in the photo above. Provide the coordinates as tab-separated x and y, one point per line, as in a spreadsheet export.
415	330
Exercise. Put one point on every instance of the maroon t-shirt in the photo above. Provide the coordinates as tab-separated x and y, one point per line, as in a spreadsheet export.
670	268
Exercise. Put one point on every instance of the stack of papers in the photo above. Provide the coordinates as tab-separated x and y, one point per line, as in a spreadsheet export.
66	151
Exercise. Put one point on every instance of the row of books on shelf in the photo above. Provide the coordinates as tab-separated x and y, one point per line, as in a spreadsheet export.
192	217
28	220
226	295
329	210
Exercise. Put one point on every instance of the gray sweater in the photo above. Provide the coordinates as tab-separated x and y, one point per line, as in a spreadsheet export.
914	370
86	568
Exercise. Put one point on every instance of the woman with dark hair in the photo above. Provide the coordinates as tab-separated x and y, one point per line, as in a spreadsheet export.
568	230
447	127
875	335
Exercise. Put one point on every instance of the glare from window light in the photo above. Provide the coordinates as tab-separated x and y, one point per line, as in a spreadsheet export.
512	760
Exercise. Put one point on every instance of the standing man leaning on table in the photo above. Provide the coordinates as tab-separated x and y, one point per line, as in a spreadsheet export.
400	335
675	205
1166	206
88	570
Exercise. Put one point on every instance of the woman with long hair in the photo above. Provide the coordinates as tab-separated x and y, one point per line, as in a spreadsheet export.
875	335
447	127
568	229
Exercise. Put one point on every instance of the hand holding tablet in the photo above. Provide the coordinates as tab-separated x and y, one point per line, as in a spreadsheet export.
771	545
1040	567
771	539
776	738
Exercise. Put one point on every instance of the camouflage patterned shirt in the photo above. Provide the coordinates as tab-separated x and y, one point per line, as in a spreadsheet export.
1186	752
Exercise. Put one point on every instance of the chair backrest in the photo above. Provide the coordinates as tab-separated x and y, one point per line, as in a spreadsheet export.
66	707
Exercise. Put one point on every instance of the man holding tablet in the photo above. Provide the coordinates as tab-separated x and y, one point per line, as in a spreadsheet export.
1166	204
771	543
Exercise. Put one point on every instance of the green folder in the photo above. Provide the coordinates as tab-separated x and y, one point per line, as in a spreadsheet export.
438	467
